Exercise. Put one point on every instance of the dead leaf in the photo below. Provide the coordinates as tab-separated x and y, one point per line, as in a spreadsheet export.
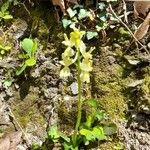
143	28
5	143
10	141
141	7
61	4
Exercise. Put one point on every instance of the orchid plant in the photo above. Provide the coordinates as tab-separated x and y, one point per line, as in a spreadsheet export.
77	54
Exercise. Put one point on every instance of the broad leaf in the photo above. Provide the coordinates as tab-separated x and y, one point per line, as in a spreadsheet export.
53	133
30	62
5	7
7	17
27	45
98	133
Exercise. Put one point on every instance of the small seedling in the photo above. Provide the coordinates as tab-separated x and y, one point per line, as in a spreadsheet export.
30	47
4	13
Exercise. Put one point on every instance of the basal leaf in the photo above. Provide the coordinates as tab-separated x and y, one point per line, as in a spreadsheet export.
18	72
30	62
98	133
27	45
88	134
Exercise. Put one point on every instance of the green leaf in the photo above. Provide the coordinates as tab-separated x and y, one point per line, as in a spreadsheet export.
27	45
100	115
88	134
91	35
66	23
83	13
98	133
63	136
53	134
5	7
68	146
30	62
92	103
8	83
18	72
110	129
7	17
71	12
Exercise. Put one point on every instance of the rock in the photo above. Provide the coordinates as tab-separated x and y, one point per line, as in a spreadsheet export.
74	88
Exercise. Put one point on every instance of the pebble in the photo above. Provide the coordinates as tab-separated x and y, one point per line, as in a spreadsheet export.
74	88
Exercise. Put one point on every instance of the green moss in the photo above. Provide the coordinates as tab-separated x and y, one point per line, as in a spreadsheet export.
26	111
113	100
108	87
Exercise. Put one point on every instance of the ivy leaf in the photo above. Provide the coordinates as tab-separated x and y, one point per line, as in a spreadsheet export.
110	129
91	35
82	14
101	6
27	45
66	23
30	62
71	12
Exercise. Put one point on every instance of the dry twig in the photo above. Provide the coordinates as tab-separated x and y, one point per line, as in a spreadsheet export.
111	9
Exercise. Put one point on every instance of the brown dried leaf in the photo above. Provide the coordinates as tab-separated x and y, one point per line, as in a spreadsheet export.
15	139
5	143
143	28
141	7
10	141
61	4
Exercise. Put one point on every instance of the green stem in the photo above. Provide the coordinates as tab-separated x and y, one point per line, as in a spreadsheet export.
79	103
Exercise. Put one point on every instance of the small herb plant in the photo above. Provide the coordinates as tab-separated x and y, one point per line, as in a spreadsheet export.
92	129
30	47
4	13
